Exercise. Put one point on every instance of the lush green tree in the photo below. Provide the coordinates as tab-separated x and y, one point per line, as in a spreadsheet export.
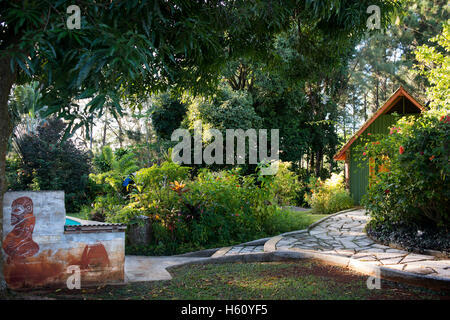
434	64
228	109
386	60
168	113
135	47
122	47
48	162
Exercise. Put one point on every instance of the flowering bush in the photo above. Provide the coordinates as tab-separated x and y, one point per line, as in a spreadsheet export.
328	196
410	183
286	185
213	209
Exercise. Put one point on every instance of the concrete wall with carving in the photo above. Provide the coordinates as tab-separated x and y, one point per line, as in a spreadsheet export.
37	251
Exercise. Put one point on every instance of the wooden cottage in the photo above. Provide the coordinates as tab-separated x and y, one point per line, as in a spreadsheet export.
357	177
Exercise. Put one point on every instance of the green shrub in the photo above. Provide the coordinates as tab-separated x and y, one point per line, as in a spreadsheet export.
50	162
281	221
328	196
119	168
286	185
159	176
415	188
214	209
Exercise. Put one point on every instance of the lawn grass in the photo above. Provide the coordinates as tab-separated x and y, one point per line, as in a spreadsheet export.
305	279
290	220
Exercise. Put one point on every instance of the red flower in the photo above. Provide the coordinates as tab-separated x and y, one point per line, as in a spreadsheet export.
387	191
431	158
421	152
394	129
364	153
369	134
401	150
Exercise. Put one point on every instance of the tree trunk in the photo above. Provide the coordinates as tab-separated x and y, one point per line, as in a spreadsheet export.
343	121
377	100
365	107
7	79
104	130
318	162
119	122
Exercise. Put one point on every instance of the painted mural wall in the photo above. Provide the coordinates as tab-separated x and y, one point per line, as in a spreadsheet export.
37	251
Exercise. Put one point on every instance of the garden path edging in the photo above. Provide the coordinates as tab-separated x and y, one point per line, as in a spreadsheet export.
432	282
346	231
394	245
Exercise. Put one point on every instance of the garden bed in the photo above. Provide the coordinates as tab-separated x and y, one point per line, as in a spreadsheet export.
428	241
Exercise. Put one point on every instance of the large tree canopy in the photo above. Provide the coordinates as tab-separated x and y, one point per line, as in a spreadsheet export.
128	48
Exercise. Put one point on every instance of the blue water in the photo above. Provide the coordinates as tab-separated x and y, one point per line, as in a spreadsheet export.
70	222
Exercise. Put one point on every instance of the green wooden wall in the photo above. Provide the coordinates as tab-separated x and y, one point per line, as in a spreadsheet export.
359	176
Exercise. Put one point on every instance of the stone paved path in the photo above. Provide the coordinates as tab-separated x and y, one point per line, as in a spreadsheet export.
340	236
343	235
244	250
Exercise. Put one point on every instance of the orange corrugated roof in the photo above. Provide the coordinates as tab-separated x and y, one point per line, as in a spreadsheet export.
400	92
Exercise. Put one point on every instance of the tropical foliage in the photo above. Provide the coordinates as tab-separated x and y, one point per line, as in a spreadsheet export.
45	161
434	64
328	196
212	209
414	159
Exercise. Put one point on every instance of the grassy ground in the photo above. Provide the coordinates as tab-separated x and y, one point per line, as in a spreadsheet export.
290	220
306	279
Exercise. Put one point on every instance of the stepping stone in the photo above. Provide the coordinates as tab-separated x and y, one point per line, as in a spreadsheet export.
314	232
412	257
379	246
396	251
391	261
346	253
325	236
419	269
371	250
388	255
395	266
363	243
349	244
235	250
359	255
368	259
307	244
286	241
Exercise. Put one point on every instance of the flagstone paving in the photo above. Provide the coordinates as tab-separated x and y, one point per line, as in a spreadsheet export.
339	237
342	235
